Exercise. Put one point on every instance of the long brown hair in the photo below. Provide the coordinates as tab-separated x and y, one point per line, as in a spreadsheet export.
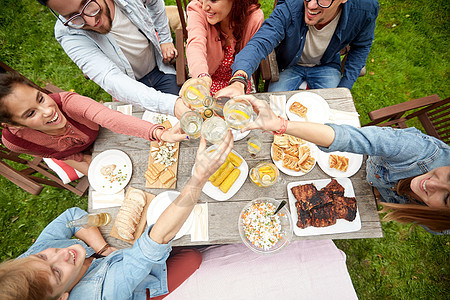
239	17
417	212
436	219
20	281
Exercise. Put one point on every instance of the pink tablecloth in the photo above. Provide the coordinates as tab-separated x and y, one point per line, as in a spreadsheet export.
303	270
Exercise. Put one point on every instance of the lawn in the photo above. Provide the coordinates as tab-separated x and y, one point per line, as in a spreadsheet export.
409	59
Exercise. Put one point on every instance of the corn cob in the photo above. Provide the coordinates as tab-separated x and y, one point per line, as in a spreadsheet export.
229	167
228	182
235	160
219	170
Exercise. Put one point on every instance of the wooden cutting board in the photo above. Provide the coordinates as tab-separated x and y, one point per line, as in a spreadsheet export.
141	226
174	168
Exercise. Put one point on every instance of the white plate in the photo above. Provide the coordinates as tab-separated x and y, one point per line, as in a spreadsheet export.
318	108
108	157
214	191
155	118
159	204
238	135
354	163
341	225
279	163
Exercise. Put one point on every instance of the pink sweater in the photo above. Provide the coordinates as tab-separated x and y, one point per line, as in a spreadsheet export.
204	49
89	113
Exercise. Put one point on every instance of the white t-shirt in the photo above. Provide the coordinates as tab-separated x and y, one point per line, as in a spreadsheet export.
317	42
134	44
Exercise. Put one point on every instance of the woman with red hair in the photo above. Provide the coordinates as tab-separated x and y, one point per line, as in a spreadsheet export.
217	31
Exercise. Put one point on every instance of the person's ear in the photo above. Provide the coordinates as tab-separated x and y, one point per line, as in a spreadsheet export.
64	296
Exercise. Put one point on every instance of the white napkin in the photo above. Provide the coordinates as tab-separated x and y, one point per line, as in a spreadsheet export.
278	105
344	117
125	109
100	200
199	230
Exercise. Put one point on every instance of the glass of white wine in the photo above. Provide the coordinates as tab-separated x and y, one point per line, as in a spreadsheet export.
238	112
214	129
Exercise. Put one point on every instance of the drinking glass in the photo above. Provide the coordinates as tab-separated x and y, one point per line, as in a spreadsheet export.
194	92
254	144
216	104
214	129
237	112
191	123
264	174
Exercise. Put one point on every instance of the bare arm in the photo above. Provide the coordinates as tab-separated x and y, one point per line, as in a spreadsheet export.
171	220
318	134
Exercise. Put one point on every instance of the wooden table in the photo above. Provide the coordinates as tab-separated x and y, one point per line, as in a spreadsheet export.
223	216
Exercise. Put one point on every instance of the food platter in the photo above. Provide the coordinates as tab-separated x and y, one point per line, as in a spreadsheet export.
279	163
341	225
354	163
159	204
318	108
117	179
215	193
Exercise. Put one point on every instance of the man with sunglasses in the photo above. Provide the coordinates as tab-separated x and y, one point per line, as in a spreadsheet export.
125	46
307	37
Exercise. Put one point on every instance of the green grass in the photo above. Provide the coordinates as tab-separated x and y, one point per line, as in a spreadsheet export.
409	59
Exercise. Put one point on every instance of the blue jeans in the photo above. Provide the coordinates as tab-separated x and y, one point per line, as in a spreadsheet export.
166	83
318	77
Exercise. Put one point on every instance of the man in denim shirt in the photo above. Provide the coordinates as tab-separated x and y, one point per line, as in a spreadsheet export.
307	37
406	156
125	46
68	270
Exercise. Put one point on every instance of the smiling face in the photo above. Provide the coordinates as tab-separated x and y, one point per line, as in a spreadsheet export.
433	187
33	109
217	10
100	23
319	16
63	265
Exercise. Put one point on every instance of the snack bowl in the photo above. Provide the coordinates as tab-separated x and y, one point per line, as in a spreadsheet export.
260	230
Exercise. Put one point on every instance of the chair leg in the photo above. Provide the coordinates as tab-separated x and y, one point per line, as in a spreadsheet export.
20	179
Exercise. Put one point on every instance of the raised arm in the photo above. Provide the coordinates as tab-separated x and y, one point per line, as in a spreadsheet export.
171	220
80	107
318	134
86	54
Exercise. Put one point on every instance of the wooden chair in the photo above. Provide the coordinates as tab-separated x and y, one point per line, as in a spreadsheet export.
432	113
267	71
26	167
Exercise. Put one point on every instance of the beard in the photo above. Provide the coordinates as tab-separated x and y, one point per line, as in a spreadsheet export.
105	14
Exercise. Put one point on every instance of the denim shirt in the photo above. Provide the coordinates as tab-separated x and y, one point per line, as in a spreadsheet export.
286	30
124	274
101	59
394	154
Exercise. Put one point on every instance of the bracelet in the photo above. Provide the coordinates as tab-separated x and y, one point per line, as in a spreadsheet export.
283	128
104	248
203	75
158	138
242	74
154	136
240	79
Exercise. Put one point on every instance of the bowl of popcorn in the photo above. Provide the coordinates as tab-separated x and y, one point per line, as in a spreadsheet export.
263	231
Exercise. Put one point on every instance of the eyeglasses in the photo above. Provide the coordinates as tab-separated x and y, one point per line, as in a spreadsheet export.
323	3
90	9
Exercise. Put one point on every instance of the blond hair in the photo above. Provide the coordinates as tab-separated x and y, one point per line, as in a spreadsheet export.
19	281
436	219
